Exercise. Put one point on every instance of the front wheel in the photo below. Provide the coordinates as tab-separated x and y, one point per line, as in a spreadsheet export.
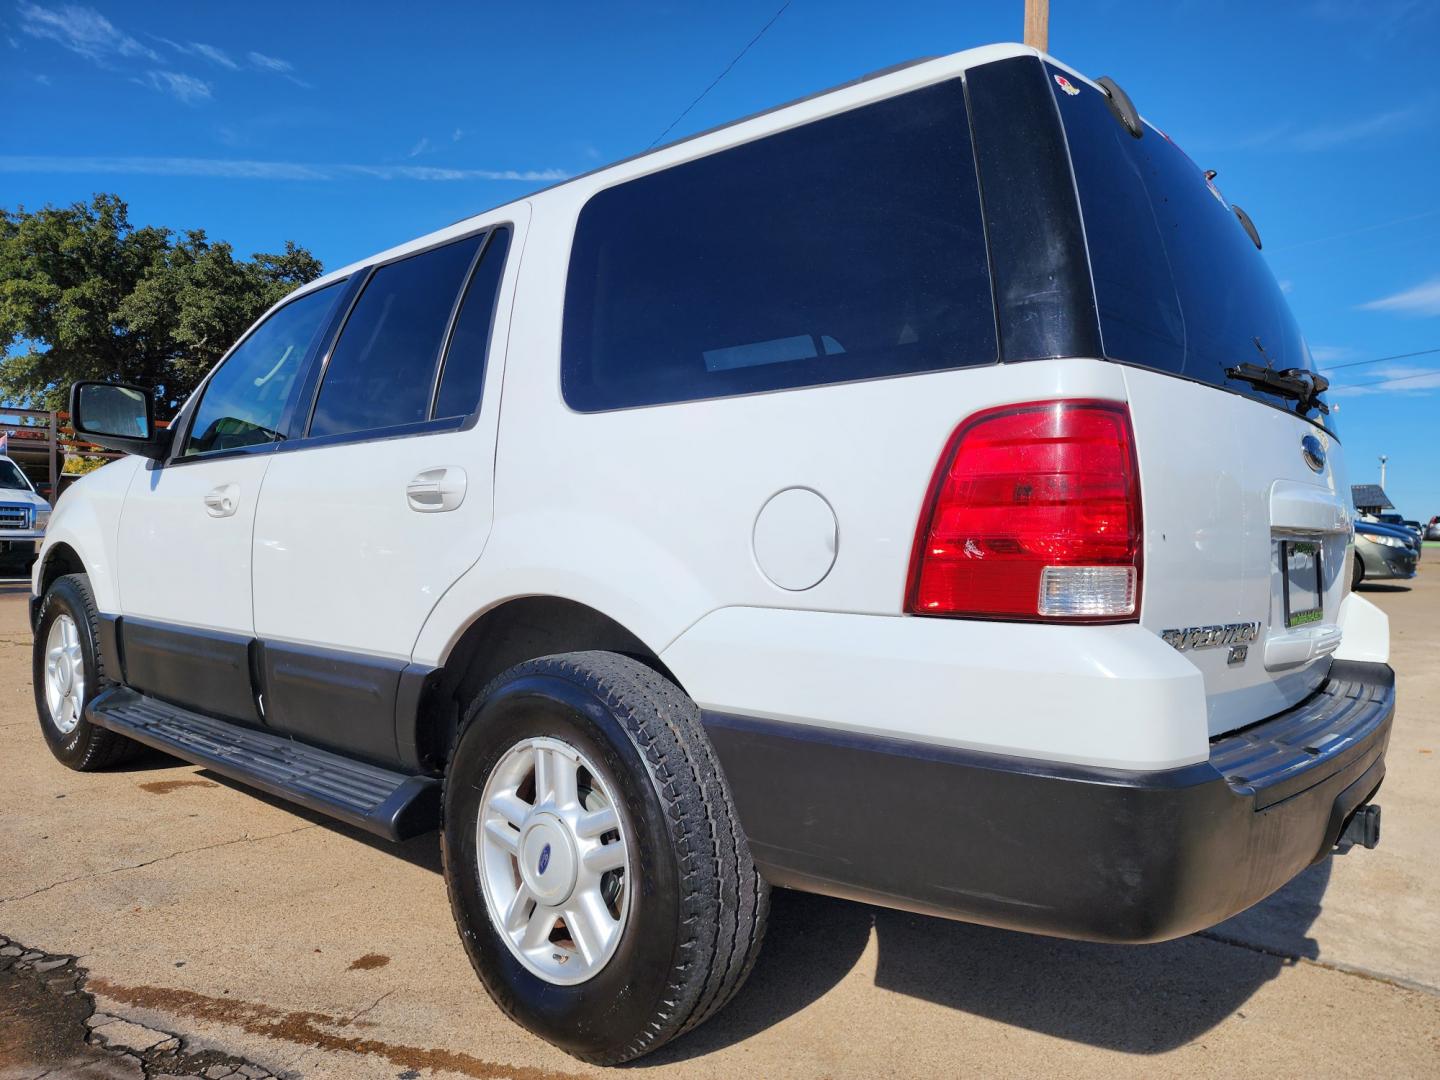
68	672
598	874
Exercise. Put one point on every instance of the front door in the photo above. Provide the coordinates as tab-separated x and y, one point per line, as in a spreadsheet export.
387	499
185	535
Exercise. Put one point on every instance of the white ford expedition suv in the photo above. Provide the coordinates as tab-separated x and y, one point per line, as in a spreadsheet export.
920	493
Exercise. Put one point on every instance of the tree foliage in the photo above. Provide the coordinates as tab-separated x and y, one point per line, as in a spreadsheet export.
86	295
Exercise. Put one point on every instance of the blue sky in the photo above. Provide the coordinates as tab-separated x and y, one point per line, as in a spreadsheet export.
349	127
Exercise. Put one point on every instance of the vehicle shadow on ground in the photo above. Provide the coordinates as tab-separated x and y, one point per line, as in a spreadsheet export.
1138	999
1366	586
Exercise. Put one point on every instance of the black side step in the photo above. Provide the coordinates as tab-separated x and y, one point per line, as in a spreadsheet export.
388	804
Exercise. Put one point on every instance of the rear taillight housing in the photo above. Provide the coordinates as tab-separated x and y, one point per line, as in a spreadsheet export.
1034	514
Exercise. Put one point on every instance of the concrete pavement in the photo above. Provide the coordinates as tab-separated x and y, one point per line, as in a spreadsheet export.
258	933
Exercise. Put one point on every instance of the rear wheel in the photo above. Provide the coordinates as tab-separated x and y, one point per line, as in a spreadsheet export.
597	871
1357	575
68	672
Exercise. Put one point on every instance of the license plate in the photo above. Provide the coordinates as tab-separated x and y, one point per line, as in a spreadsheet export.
1301	562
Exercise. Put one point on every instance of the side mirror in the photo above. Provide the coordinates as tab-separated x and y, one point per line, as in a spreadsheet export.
118	417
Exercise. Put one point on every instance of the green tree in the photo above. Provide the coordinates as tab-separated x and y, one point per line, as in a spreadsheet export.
86	295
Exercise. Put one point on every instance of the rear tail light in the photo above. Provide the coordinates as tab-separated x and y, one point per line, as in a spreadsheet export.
1034	514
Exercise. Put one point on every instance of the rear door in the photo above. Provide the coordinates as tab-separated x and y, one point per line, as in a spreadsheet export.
186	525
386	499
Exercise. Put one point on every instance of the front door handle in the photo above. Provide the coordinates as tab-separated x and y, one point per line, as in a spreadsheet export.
436	490
222	501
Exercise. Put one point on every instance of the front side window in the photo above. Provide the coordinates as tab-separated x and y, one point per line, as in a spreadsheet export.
11	479
382	370
848	248
244	401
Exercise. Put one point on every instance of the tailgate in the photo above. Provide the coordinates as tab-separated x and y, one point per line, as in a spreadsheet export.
1229	499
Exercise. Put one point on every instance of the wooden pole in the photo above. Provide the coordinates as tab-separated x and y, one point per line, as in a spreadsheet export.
1037	24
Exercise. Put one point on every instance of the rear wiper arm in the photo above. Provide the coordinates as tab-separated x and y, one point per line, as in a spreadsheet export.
1302	386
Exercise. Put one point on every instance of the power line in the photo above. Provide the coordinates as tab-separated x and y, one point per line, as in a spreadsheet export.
1381	359
722	74
1434	373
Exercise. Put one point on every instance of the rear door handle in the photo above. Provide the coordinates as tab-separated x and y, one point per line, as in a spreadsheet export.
222	501
436	490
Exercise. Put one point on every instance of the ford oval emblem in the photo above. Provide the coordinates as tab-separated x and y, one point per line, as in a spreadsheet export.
1313	451
544	859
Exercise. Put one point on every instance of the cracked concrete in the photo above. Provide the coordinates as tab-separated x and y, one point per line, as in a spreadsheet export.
48	1027
259	933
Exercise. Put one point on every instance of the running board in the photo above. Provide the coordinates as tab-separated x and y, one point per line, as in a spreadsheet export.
388	804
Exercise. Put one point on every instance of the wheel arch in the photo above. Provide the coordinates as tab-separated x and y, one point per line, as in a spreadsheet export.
57	561
509	633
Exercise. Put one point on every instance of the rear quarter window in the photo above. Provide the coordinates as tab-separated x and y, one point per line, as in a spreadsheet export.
849	248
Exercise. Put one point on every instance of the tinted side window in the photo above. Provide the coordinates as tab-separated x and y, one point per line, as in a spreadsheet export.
382	370
245	399
849	248
463	375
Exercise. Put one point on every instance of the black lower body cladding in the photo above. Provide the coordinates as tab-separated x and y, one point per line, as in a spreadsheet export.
1095	854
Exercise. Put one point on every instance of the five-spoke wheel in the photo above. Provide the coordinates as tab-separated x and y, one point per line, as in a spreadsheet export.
553	859
64	674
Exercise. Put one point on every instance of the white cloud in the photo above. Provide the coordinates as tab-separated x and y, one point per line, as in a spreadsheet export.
457	135
185	88
1329	354
1331	135
270	63
1423	299
1395	379
420	147
236	169
1286	285
82	30
277	65
213	53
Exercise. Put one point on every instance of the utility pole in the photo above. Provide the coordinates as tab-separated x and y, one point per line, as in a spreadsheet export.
1037	24
1383	459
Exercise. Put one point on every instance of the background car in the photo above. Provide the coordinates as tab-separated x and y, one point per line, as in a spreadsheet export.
1384	552
23	515
1432	531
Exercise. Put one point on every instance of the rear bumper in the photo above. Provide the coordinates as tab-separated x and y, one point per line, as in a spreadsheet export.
1097	854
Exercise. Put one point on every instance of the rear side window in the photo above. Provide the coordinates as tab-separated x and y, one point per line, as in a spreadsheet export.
849	248
244	402
463	375
382	370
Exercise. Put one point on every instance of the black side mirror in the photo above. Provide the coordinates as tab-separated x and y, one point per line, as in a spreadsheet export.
118	417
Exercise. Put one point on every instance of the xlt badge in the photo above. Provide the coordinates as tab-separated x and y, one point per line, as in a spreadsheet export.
1212	637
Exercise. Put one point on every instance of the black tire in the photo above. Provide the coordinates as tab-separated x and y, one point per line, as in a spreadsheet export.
1358	574
697	896
86	748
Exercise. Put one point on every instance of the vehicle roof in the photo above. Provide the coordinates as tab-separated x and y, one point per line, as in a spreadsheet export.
876	86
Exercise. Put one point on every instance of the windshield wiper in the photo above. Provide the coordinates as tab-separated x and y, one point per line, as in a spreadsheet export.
1300	385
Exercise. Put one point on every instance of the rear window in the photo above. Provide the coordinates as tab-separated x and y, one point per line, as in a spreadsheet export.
848	248
1179	284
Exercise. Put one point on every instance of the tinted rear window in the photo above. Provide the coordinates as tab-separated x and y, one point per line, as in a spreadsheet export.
848	248
1179	284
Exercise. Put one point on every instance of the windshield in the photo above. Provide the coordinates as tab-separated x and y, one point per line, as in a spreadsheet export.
11	478
1179	284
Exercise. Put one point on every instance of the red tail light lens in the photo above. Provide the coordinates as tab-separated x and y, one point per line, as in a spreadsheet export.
1034	513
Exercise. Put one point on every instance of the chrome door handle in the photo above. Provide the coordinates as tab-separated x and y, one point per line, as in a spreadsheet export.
436	490
222	501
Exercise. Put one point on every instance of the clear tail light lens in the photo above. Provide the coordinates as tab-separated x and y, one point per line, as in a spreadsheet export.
1034	514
